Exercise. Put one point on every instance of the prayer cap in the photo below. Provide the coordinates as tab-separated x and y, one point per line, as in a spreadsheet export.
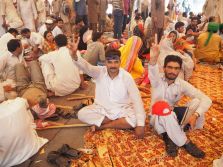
49	21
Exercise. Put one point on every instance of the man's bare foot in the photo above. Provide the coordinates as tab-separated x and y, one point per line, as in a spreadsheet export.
94	128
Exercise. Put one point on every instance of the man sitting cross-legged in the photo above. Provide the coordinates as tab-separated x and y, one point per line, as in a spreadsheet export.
171	88
117	100
61	75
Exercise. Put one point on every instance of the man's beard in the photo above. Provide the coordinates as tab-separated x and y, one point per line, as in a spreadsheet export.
170	76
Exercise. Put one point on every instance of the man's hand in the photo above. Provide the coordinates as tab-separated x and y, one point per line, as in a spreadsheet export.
73	47
192	121
154	54
139	132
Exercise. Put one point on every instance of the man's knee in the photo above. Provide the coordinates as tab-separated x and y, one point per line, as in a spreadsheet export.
82	115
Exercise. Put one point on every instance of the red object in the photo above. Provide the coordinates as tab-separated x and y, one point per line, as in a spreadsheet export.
161	108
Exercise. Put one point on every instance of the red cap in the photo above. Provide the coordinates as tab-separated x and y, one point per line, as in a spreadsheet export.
161	108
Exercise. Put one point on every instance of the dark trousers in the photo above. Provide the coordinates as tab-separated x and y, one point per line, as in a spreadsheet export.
85	19
124	23
118	22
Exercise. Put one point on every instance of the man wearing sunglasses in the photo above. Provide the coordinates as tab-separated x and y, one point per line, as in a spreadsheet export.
117	99
170	88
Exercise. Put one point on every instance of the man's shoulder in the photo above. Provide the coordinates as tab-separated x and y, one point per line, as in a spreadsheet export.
125	74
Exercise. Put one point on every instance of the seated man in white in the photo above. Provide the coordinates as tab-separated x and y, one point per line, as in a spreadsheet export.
19	140
11	34
170	88
8	61
32	44
117	99
58	27
48	26
60	73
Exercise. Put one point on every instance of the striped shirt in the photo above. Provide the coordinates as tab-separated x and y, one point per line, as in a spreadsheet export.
117	4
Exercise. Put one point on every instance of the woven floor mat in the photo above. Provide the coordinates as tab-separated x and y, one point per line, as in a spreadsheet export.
119	148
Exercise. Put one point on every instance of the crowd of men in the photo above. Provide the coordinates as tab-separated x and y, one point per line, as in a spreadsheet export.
47	50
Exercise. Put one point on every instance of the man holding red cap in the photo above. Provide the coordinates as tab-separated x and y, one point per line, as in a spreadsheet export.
117	99
170	88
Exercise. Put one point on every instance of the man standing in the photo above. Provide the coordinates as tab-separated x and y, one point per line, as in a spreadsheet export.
9	15
117	100
118	7
80	9
27	11
157	14
102	14
93	9
170	88
41	11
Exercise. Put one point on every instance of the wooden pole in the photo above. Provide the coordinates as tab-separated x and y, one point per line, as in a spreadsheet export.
80	98
64	126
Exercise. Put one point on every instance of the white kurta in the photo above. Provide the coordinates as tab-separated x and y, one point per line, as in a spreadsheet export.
172	94
60	74
28	13
35	40
19	140
56	31
9	11
41	11
114	98
7	71
3	42
42	29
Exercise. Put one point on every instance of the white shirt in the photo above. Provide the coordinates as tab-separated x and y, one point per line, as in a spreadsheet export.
116	93
42	29
56	31
35	39
7	65
174	92
67	75
4	40
19	140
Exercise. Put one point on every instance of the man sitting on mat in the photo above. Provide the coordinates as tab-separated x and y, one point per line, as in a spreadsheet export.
170	88
117	99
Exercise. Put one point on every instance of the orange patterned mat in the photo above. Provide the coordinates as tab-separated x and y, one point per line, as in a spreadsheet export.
119	148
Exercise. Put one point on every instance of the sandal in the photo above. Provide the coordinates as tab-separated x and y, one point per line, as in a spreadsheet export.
53	117
69	152
55	158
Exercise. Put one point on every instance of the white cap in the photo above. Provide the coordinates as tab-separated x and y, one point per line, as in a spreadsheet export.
49	21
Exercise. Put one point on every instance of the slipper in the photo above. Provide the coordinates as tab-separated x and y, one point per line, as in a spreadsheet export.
78	107
59	111
53	117
66	116
69	152
55	158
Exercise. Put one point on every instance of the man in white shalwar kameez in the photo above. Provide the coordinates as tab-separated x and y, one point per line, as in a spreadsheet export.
11	34
19	140
9	15
117	99
32	43
170	88
41	11
8	62
28	13
61	76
